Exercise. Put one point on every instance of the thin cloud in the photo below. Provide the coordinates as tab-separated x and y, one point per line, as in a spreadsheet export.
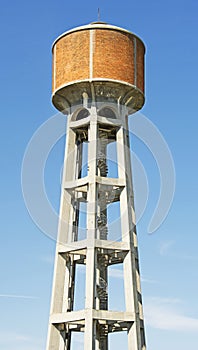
48	259
17	296
116	273
78	338
164	314
19	341
147	280
13	338
165	247
185	257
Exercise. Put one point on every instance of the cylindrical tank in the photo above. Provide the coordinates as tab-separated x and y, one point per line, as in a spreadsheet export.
101	60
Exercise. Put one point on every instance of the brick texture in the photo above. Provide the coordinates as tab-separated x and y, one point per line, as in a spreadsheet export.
113	56
71	58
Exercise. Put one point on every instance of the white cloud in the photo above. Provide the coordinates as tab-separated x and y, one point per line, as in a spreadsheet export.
163	314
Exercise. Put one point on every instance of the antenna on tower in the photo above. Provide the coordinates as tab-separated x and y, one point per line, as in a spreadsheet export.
98	14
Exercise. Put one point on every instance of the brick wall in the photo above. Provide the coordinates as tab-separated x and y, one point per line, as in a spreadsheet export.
71	54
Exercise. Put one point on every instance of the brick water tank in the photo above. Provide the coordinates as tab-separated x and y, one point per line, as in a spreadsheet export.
98	81
100	60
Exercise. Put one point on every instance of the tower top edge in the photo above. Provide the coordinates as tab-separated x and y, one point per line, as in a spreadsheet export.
96	25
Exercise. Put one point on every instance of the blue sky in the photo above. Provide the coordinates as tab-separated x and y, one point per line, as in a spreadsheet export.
168	257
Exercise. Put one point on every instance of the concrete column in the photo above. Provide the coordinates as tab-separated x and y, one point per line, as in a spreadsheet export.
91	232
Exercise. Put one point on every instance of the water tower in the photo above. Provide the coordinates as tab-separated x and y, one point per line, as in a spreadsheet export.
98	81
